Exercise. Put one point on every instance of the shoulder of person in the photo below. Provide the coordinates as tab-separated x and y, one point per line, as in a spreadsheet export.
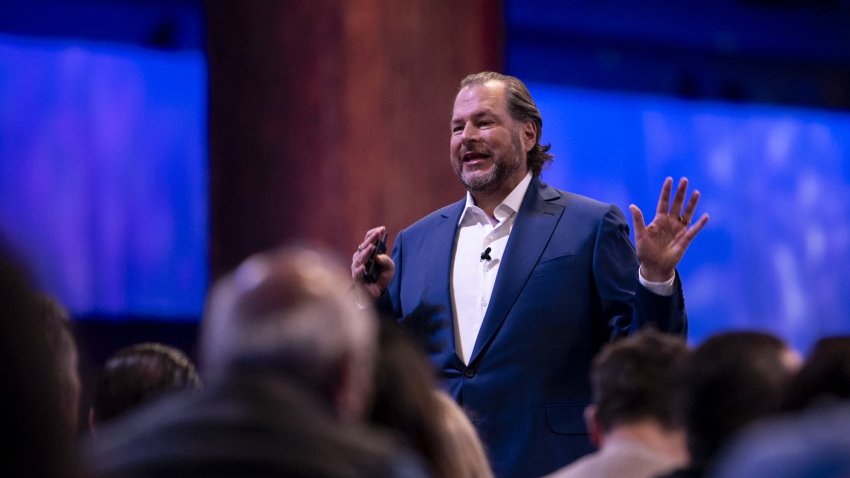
450	212
575	203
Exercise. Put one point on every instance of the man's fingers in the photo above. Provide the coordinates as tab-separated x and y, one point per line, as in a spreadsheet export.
679	198
696	228
386	262
370	238
664	197
637	219
692	205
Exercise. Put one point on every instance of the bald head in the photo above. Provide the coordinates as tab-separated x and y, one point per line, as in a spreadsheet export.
288	312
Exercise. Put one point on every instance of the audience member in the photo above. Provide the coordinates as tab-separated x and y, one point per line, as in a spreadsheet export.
728	382
461	445
53	322
824	377
137	374
290	362
811	444
631	416
407	402
36	407
403	400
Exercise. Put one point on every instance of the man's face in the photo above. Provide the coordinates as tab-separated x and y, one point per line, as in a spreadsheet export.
488	147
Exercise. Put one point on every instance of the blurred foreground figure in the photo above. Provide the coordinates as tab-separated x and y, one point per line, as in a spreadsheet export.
461	444
290	362
137	374
812	444
824	378
408	402
40	389
812	441
631	417
728	382
52	321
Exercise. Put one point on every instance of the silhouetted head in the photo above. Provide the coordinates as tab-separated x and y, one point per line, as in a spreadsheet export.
633	378
136	374
288	313
729	381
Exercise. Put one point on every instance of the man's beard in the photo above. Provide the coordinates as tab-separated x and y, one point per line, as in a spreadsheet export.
504	166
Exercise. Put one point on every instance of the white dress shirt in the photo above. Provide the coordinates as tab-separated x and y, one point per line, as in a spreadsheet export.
473	277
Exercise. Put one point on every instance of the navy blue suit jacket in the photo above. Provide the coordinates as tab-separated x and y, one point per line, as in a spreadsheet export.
568	283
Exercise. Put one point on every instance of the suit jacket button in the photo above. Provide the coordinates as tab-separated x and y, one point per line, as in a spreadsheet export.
469	373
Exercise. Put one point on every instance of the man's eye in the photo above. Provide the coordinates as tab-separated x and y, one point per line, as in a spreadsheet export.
457	129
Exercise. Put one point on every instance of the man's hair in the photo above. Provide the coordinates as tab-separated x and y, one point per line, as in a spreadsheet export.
30	403
633	378
462	446
139	373
727	382
53	322
522	108
824	377
288	312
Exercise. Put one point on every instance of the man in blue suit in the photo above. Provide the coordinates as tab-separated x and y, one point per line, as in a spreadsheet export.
533	280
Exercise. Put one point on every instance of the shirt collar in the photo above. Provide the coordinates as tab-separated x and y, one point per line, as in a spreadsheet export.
509	206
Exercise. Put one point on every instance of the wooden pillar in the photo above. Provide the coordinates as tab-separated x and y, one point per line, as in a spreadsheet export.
328	117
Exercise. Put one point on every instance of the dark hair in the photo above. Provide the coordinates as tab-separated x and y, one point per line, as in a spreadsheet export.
32	408
403	399
53	322
825	375
726	383
522	108
139	373
633	378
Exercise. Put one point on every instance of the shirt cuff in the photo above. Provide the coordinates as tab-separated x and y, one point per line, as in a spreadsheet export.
661	288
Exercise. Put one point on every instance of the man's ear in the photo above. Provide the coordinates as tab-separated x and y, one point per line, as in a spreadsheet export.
594	430
529	135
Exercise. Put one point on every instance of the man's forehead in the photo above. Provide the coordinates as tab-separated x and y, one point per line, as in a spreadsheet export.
480	97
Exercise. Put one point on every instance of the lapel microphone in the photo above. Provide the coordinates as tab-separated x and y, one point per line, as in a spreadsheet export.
485	256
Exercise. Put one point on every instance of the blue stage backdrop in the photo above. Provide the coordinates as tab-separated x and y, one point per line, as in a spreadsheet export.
103	173
775	180
103	179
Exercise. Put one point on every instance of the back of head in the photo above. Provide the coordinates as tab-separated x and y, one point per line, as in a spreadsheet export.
633	379
53	322
462	446
34	412
288	313
729	381
824	377
137	374
403	401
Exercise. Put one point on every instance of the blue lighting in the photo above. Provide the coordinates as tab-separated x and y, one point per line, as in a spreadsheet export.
775	180
103	173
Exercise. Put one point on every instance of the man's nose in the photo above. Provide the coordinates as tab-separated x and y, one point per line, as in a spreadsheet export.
470	132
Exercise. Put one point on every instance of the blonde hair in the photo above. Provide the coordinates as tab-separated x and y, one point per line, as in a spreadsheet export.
460	445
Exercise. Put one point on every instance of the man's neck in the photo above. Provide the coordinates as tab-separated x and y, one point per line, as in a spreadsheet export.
649	433
489	200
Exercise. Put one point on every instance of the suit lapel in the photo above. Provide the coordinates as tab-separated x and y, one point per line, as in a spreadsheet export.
441	246
532	229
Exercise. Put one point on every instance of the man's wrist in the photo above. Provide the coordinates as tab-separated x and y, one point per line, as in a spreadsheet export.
658	287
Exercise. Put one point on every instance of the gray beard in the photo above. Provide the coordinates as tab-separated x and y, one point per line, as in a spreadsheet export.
494	179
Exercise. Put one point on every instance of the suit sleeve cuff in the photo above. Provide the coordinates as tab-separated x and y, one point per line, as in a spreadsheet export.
661	288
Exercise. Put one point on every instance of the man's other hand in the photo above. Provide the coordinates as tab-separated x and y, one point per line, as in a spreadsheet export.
358	267
661	244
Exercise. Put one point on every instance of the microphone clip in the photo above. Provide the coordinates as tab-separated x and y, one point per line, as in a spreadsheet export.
485	256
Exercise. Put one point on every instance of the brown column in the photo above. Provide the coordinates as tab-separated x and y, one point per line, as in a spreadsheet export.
329	117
